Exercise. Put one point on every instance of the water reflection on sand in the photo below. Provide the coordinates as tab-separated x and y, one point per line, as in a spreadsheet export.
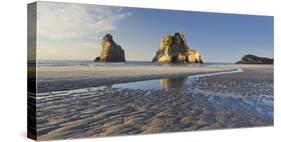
172	84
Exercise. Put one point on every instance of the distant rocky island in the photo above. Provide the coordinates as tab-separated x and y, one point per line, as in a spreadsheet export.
253	59
174	49
110	51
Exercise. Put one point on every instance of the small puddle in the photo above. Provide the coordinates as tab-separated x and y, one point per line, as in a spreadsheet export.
159	84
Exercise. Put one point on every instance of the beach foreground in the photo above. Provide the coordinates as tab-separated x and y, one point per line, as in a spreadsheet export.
184	101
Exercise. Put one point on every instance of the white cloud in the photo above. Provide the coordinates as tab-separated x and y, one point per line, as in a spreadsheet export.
63	21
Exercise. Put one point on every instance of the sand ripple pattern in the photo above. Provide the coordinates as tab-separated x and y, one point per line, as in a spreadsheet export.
206	103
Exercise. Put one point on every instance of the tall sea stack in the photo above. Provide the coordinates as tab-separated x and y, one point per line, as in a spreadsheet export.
110	51
174	49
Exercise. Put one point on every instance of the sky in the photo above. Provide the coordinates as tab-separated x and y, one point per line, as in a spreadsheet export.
74	32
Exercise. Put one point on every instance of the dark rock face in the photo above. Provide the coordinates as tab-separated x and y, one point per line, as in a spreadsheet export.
110	52
174	49
97	59
252	59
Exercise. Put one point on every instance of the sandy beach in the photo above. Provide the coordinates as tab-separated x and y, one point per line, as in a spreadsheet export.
66	78
183	102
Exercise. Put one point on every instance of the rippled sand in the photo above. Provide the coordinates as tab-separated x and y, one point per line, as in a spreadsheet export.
223	101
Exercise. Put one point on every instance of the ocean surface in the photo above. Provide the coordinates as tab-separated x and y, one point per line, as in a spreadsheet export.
49	63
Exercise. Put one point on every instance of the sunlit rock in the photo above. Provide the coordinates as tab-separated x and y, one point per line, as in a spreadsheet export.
174	49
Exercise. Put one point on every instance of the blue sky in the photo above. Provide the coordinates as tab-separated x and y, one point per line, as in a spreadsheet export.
73	31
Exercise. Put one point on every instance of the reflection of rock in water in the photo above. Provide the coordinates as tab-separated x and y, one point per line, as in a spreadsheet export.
175	84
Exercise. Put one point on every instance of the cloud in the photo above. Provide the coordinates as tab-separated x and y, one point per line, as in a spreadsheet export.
68	50
63	21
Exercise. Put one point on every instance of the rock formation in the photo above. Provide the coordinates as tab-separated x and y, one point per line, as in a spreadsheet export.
252	59
174	49
110	52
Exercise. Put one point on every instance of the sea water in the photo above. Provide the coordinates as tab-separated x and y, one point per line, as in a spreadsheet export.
49	63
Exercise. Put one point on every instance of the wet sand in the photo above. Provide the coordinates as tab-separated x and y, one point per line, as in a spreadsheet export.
66	78
224	101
